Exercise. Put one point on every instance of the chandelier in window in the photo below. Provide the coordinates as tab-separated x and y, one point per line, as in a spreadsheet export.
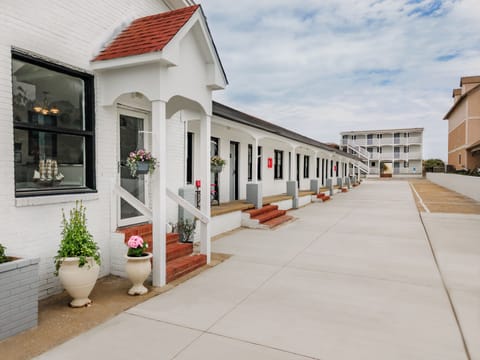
44	107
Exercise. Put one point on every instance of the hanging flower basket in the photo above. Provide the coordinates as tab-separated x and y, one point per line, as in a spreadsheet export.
141	162
216	164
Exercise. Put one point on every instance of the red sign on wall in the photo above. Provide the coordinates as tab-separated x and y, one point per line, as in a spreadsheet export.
269	163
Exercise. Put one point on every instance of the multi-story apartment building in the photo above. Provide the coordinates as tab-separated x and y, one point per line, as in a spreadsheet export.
464	125
392	152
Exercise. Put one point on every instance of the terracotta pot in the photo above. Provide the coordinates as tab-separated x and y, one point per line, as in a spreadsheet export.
138	269
78	281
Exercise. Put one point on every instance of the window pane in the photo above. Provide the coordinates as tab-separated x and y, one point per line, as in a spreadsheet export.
45	97
46	160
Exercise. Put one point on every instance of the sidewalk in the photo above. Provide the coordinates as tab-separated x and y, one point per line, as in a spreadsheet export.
352	278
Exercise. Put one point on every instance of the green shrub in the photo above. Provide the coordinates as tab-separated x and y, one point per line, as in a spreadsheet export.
76	239
3	257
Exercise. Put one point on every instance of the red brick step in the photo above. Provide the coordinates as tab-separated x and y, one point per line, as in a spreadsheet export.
278	220
256	212
176	250
269	215
181	266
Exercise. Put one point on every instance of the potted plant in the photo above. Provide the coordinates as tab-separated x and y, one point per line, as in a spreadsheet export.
141	162
186	229
216	164
18	295
78	257
138	264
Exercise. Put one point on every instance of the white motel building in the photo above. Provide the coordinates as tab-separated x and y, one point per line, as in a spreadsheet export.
83	83
387	153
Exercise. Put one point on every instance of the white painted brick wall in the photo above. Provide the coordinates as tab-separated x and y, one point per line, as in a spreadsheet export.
70	32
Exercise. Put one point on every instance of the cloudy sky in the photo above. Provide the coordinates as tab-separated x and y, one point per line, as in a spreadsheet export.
320	67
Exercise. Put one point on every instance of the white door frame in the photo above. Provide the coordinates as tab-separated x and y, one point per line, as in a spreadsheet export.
147	127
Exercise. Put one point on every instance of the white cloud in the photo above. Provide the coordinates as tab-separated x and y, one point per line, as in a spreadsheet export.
320	67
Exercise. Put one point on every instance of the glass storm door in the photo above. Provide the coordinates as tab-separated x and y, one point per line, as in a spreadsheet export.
131	139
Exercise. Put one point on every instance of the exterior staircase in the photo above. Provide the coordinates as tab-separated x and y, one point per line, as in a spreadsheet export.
180	257
266	217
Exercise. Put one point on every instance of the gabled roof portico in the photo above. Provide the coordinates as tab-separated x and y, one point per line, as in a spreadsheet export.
171	59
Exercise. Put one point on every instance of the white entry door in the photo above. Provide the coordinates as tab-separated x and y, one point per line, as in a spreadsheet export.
132	130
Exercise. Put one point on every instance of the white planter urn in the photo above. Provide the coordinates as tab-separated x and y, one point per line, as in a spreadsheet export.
78	281
138	268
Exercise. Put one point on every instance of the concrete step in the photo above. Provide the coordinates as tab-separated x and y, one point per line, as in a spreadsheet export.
256	212
277	221
184	265
177	250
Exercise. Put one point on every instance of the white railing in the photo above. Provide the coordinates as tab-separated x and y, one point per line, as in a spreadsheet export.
414	140
132	201
189	207
364	168
359	150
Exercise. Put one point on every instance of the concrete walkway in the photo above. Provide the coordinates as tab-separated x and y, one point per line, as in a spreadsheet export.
353	278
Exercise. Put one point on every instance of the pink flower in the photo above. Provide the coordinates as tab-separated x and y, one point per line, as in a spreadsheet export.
135	241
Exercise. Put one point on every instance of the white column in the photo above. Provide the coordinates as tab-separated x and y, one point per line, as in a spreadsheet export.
255	161
159	187
204	165
293	170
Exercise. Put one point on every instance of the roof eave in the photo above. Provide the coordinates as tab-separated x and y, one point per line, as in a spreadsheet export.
460	100
133	60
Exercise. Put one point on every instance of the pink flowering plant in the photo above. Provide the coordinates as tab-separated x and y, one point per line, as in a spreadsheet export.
140	156
136	246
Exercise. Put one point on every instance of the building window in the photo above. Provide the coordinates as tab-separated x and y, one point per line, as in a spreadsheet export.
336	168
372	164
405	149
250	162
259	163
306	166
379	136
379	150
370	149
54	128
278	166
189	158
405	164
331	168
459	158
318	167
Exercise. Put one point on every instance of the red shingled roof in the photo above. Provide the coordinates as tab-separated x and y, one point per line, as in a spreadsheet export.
147	34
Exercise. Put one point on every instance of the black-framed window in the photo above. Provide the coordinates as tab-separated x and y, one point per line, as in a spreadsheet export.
318	167
259	163
54	128
336	168
189	171
278	164
306	166
250	162
331	168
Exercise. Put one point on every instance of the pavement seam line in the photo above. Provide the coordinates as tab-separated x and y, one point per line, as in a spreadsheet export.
262	345
274	274
445	288
419	198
